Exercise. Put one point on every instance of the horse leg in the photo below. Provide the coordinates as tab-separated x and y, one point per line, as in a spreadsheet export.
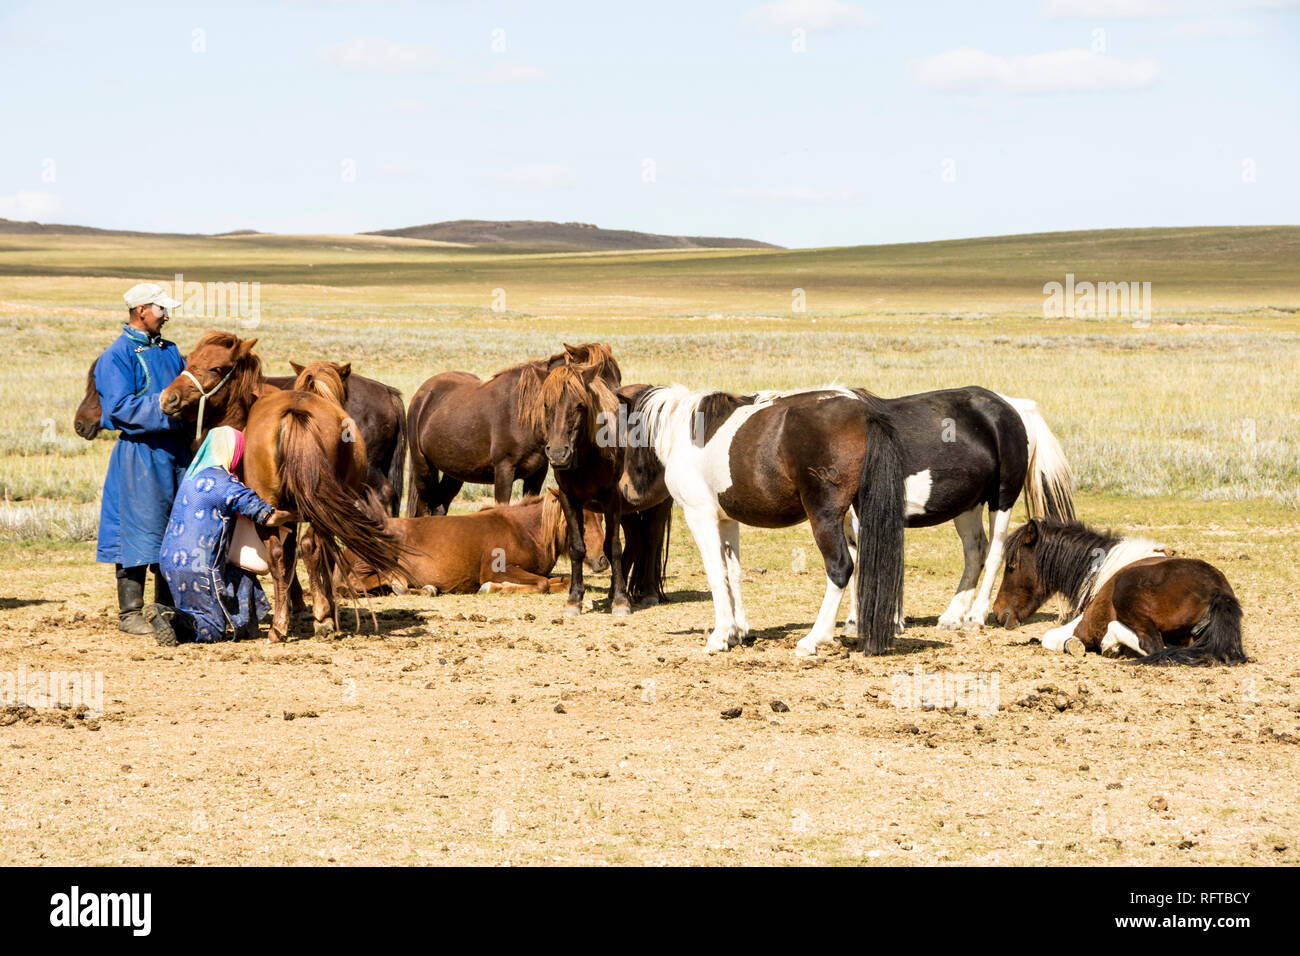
281	550
1063	638
533	483
729	531
419	500
704	525
974	550
828	532
321	605
513	579
503	481
851	536
577	553
297	602
979	609
448	489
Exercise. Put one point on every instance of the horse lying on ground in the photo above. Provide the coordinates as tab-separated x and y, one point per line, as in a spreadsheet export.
376	408
464	428
1123	593
500	548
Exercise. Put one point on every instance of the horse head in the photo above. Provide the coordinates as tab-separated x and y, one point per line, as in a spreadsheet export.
572	409
221	372
1024	588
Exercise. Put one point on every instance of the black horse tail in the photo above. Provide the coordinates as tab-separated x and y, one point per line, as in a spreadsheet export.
397	457
880	537
1217	637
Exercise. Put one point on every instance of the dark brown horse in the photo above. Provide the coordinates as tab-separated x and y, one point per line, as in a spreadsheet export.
499	548
1123	593
377	409
576	410
464	428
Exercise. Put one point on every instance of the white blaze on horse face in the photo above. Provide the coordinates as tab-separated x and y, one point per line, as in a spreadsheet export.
916	493
1054	640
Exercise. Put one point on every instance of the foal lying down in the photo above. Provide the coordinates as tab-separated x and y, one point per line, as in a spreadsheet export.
500	548
1125	594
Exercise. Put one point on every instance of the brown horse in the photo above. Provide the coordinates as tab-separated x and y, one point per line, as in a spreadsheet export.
1123	593
499	548
576	410
473	430
377	409
302	453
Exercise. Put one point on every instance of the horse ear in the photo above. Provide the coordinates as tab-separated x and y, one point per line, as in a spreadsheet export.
244	347
1031	533
297	369
344	370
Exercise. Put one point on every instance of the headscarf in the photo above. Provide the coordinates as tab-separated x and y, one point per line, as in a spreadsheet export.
223	448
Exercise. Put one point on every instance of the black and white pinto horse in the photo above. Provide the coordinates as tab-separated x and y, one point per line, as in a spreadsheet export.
961	450
773	460
965	449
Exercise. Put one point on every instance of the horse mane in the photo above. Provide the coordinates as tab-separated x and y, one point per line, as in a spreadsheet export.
533	372
1066	557
323	379
555	526
599	397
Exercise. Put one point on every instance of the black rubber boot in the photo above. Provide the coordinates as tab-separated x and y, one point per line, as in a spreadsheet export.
160	618
130	600
162	592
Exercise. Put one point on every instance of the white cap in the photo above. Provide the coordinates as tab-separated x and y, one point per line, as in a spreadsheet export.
145	293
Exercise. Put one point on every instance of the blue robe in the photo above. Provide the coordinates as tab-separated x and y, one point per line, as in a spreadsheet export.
149	458
213	592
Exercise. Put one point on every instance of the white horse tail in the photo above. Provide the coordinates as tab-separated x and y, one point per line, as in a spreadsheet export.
1049	482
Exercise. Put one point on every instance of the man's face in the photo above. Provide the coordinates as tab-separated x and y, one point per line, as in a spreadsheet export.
153	317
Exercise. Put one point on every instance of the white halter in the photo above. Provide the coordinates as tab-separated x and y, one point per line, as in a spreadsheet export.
203	398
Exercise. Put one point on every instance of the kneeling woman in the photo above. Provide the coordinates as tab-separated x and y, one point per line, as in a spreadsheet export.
211	593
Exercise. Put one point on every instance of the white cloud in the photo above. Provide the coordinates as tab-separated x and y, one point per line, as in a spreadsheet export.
795	194
408	104
1061	71
534	177
503	74
376	55
1214	29
28	206
810	14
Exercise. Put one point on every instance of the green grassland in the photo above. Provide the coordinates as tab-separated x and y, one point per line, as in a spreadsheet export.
1198	403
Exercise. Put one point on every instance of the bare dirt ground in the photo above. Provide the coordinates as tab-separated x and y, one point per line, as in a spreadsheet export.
482	730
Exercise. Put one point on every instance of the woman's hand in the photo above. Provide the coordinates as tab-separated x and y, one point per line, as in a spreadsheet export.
279	518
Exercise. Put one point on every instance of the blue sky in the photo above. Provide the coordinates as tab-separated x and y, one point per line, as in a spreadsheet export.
896	122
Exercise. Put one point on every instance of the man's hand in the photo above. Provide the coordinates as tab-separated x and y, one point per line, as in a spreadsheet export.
279	518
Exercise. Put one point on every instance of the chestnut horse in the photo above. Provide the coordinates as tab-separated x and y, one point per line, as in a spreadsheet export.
301	453
1123	593
377	409
469	429
576	411
499	548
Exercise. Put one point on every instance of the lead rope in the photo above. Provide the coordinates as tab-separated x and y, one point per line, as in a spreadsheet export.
203	399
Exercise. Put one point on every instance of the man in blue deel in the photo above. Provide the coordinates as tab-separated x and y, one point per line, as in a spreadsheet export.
151	453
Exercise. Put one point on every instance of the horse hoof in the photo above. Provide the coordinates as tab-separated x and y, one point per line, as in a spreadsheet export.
324	629
397	587
650	601
620	610
572	610
1074	647
1113	651
429	590
803	653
